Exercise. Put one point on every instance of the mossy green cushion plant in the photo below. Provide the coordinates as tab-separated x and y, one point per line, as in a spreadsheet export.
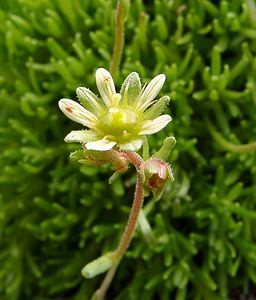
56	214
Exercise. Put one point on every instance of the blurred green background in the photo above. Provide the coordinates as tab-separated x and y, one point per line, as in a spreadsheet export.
56	216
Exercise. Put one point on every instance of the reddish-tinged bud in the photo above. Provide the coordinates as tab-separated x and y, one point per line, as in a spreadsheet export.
96	158
157	173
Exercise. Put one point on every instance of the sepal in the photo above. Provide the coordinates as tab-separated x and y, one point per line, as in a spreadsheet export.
77	156
131	88
89	100
90	157
96	158
157	108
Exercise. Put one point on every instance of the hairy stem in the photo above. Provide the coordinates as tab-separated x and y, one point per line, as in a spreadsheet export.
119	40
137	161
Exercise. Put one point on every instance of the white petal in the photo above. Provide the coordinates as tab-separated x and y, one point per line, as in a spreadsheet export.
100	145
151	90
77	113
153	126
81	136
132	145
105	85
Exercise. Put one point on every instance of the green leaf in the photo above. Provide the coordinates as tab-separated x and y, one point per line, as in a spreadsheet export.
166	148
99	265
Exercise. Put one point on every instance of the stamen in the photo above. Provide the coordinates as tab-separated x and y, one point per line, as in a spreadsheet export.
125	133
114	110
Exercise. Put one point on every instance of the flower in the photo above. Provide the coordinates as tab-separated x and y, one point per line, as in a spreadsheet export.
117	119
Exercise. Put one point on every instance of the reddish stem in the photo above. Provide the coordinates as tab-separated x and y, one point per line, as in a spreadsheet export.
137	161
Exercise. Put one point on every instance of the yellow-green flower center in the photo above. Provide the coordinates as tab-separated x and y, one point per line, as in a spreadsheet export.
120	123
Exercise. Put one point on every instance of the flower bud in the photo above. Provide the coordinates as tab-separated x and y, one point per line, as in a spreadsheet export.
157	172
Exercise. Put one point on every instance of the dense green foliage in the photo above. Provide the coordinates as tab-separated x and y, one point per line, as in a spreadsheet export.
56	216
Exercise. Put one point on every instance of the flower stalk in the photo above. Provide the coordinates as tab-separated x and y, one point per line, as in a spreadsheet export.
137	161
119	40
